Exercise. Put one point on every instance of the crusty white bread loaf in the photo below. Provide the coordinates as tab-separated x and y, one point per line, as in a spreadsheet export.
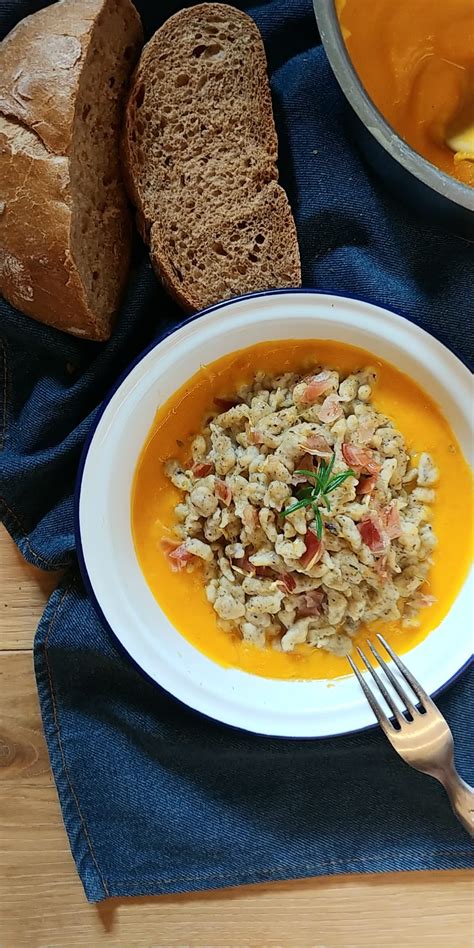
65	227
200	152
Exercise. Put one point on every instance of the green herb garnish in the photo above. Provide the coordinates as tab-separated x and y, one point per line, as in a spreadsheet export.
316	493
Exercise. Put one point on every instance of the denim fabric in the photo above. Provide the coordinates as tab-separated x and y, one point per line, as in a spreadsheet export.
154	797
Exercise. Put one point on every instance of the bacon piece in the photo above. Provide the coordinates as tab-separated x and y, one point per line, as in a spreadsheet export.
202	468
361	459
306	463
371	532
256	437
372	466
366	484
176	554
317	385
330	409
265	572
288	582
316	444
223	492
391	521
250	517
314	550
310	603
246	566
168	545
225	404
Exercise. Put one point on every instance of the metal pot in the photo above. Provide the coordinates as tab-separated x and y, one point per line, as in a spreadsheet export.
430	192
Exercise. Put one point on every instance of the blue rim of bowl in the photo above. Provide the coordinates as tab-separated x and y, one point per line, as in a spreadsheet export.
80	472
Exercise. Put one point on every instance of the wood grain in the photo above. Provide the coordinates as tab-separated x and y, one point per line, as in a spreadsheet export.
23	593
42	904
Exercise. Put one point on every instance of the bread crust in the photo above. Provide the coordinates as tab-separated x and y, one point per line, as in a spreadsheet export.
41	64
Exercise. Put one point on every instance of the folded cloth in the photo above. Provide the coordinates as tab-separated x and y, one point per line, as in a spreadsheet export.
154	797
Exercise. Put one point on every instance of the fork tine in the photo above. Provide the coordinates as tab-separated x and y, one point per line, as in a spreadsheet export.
423	697
393	680
381	686
376	708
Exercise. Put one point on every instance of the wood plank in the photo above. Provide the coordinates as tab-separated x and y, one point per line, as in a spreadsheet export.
42	904
24	591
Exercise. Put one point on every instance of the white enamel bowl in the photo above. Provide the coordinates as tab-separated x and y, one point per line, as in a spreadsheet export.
109	564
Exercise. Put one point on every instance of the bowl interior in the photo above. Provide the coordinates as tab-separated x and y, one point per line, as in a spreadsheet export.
286	708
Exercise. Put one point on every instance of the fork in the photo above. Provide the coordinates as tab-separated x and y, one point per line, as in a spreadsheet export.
419	734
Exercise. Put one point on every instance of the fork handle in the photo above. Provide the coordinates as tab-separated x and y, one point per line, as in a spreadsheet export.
461	797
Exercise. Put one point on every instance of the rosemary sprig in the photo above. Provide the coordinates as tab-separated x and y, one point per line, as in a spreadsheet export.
316	493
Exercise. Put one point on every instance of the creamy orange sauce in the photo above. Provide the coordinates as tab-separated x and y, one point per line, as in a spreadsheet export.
416	61
182	595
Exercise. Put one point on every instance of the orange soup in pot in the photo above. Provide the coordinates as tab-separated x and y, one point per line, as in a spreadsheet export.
415	58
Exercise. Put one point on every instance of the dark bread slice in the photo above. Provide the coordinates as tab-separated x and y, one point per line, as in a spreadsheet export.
65	227
242	251
200	153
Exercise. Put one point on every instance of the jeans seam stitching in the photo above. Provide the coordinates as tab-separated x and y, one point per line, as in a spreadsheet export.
48	563
201	876
58	732
4	413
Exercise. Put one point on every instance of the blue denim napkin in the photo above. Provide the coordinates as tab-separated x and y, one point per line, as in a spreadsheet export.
154	797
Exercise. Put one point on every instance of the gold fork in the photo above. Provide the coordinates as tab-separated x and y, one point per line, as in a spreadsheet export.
419	734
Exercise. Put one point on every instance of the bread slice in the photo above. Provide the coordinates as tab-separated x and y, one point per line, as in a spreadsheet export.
65	227
200	152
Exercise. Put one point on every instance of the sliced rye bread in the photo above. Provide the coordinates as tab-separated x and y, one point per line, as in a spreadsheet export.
65	226
200	152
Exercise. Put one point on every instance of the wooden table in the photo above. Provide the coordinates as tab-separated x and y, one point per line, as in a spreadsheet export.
42	903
